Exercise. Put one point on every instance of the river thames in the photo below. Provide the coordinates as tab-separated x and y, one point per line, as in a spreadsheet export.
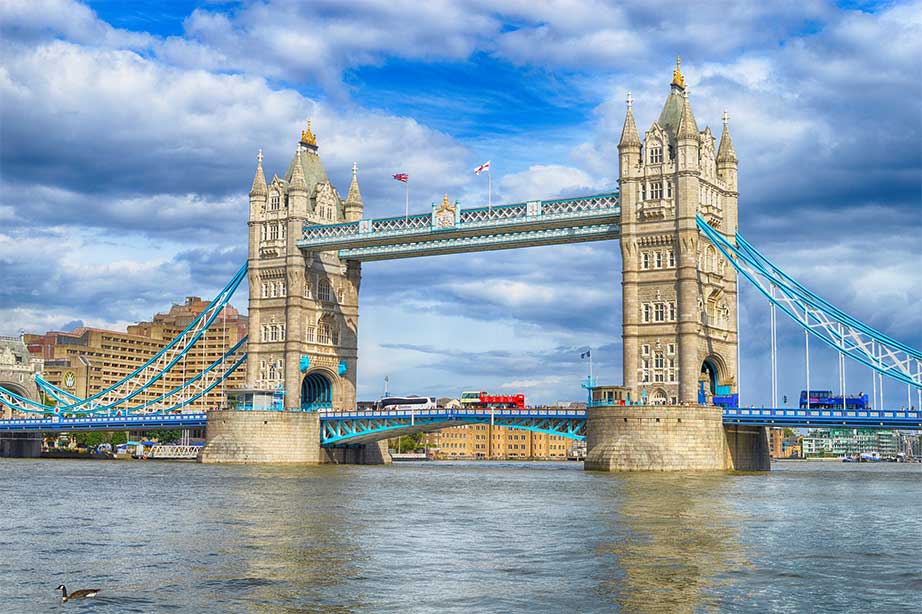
458	537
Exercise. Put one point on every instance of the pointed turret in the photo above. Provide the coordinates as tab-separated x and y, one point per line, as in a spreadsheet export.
297	182
726	161
687	128
629	136
354	206
259	181
726	153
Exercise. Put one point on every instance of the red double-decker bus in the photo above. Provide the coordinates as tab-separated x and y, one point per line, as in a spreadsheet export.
499	401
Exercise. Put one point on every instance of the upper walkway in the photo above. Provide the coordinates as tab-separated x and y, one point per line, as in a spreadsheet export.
448	229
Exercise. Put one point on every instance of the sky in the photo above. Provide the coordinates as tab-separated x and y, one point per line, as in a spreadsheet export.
129	133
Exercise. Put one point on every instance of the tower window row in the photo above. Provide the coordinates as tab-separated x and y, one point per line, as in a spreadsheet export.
656	189
274	231
660	369
272	332
708	196
273	289
271	370
662	311
659	259
324	334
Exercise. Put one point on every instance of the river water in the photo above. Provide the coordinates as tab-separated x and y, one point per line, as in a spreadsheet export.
458	537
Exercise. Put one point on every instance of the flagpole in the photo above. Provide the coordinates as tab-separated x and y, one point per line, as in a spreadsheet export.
407	208
489	190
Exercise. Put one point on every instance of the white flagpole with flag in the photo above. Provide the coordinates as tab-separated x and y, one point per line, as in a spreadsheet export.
405	178
486	167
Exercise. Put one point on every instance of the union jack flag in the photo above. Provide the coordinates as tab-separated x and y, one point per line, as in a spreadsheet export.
402	177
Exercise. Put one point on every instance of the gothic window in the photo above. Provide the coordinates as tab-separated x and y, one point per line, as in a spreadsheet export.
643	191
647	312
670	348
283	288
309	334
307	289
282	230
323	333
671	258
672	312
341	293
273	232
656	190
645	349
265	231
273	291
274	201
668	189
658	361
265	289
656	155
324	291
660	312
645	260
658	258
265	333
273	333
334	336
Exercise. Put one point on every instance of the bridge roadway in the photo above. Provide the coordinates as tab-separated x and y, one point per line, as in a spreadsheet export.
357	427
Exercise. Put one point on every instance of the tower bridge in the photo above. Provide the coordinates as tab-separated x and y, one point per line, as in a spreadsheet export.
675	215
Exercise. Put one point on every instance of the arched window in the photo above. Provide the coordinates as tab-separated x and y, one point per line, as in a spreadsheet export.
645	260
647	312
672	311
323	333
671	258
325	291
659	397
658	259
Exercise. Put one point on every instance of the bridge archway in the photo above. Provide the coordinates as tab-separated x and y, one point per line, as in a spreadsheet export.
316	391
712	373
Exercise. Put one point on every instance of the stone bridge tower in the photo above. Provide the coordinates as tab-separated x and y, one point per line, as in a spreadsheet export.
679	294
303	307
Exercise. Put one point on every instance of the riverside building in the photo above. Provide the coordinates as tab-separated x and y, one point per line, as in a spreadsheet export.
490	442
87	360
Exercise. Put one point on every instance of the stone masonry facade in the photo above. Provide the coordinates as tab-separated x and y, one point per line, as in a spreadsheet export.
679	294
303	306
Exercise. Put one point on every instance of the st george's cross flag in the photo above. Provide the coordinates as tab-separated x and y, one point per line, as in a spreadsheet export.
483	167
402	177
586	354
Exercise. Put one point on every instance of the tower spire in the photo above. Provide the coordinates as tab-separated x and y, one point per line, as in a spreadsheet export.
297	181
259	187
353	205
629	136
677	79
687	127
725	152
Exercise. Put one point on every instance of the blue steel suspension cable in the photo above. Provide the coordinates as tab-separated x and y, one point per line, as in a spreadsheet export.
220	301
735	256
765	264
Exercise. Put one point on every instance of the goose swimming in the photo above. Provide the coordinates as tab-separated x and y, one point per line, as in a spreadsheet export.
83	593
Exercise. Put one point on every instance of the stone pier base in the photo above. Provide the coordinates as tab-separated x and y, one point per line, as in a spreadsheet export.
250	437
671	438
364	454
262	437
20	445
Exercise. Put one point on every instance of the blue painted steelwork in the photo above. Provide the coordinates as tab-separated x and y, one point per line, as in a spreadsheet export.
104	423
342	428
316	392
117	394
808	418
824	321
586	218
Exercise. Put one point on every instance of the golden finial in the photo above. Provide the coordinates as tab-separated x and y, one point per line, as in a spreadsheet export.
445	203
307	137
677	78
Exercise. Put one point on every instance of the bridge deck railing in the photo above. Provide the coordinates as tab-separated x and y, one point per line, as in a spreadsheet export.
500	216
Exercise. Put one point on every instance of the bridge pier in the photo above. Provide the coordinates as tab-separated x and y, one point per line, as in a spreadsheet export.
255	437
671	438
20	445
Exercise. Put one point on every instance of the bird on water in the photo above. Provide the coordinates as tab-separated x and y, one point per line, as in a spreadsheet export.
83	593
